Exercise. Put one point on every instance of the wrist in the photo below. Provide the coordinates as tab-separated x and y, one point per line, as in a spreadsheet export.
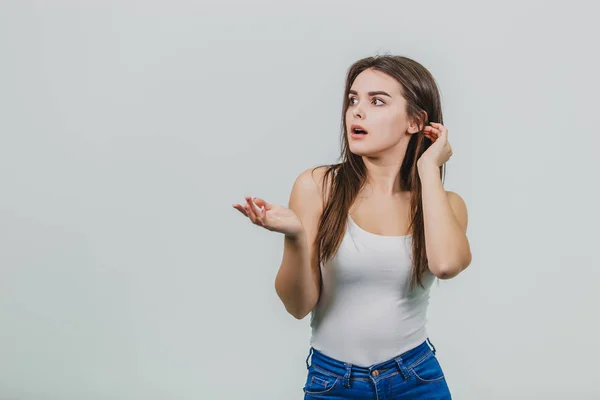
426	166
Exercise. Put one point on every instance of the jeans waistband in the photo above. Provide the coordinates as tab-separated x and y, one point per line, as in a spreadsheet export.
345	370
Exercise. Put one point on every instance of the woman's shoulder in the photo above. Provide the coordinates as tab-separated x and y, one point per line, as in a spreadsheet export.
318	179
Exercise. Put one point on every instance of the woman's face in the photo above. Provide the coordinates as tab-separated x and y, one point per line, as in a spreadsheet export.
375	102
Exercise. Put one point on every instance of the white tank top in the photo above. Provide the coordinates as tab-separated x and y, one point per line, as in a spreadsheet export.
366	313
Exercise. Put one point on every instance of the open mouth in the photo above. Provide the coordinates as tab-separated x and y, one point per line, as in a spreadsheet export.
357	130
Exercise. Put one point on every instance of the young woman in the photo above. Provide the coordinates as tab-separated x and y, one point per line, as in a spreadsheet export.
364	239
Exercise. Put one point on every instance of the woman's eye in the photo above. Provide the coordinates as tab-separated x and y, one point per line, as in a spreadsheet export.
375	99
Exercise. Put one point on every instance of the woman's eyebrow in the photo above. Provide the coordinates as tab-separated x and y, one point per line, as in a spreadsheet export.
372	93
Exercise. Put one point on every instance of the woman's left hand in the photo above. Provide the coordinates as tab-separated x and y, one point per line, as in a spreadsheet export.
440	151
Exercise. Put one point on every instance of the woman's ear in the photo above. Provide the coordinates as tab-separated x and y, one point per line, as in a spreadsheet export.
417	125
413	128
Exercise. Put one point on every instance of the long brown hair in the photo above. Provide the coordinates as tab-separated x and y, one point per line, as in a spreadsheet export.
346	178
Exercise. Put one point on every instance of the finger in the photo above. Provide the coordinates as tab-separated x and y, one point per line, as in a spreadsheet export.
441	128
254	211
240	208
432	134
255	208
437	133
249	210
262	203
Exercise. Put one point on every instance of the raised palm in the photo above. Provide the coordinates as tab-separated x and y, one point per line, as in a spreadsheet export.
273	217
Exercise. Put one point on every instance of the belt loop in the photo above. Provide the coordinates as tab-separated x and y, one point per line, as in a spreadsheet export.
347	375
402	368
309	354
432	346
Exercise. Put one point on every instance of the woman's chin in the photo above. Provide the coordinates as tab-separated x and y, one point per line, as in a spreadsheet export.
358	150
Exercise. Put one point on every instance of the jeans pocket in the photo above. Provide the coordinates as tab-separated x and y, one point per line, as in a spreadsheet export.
427	369
319	381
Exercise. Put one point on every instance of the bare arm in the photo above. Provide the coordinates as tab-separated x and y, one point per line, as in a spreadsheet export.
445	218
298	280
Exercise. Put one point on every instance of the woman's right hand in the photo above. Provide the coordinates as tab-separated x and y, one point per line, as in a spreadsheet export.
271	216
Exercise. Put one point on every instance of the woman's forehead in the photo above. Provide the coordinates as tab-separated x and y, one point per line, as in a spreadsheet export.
370	80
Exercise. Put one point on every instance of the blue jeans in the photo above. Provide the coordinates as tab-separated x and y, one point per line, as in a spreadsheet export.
415	374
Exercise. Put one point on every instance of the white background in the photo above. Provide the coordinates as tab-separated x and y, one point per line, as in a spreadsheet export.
129	128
